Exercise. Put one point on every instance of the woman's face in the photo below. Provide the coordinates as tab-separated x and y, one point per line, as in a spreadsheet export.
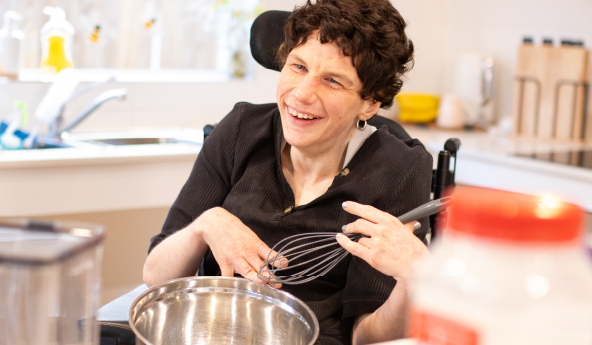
318	96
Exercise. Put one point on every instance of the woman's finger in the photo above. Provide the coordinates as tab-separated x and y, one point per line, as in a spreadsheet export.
361	226
413	225
367	212
226	270
243	268
366	242
267	254
264	251
269	279
352	247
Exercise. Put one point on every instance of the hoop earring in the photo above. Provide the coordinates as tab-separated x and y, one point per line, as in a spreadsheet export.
363	126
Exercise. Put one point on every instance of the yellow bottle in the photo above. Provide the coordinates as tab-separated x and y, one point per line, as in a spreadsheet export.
56	41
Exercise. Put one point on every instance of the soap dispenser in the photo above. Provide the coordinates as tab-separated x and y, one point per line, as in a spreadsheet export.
56	41
11	45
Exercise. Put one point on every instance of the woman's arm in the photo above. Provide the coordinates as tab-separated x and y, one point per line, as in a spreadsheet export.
196	222
236	248
179	255
391	248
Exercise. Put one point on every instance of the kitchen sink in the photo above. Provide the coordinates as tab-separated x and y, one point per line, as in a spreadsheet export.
54	145
139	141
135	137
122	138
49	143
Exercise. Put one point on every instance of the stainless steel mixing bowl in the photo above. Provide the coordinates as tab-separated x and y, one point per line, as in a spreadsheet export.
220	310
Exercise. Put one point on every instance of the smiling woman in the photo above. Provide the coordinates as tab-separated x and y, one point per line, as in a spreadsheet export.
270	171
318	98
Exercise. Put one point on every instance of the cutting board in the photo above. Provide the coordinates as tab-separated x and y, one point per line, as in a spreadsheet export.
570	102
529	69
540	109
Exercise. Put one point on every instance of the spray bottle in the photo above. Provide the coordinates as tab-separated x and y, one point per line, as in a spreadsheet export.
11	45
56	41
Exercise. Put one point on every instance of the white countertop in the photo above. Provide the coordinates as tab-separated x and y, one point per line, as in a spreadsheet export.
94	155
93	179
490	161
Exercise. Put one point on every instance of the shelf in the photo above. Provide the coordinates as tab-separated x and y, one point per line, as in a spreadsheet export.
131	76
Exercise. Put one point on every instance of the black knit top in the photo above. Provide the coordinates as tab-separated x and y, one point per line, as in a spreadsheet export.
239	169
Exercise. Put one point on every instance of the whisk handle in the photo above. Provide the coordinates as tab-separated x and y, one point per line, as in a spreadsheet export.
426	209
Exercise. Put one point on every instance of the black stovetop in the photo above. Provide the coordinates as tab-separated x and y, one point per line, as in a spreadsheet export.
578	158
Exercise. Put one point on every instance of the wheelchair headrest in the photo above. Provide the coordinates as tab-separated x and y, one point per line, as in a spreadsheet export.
267	35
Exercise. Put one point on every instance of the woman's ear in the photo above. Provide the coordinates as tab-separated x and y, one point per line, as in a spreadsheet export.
371	109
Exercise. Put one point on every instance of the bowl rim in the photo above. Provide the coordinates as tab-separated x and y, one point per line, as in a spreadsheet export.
315	326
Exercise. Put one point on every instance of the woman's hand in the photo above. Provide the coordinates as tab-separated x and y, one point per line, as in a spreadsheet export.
391	247
235	246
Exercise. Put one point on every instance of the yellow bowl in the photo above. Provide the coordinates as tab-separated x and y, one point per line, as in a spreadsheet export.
418	107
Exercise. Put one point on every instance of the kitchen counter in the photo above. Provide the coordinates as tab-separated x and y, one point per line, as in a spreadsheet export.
74	180
58	181
94	155
498	162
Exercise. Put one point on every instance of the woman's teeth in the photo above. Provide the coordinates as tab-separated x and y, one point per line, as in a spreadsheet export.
300	115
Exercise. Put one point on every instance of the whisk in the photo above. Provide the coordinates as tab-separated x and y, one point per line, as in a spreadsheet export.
304	246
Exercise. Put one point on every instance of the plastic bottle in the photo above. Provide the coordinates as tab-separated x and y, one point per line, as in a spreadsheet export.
12	137
509	269
11	45
56	41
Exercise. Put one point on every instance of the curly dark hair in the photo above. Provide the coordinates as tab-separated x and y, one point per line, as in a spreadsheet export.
371	32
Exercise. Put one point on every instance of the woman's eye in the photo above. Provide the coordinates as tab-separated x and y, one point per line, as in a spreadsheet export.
334	81
300	67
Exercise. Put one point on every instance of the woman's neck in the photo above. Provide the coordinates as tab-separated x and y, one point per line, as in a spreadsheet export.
310	172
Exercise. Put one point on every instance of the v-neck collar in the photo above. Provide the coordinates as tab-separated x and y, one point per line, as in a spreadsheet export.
280	142
352	147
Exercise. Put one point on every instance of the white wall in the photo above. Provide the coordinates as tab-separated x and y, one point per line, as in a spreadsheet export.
442	30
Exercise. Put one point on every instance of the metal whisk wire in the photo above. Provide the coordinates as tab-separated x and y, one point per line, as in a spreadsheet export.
291	249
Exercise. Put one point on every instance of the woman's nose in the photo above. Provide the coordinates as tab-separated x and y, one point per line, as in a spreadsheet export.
306	90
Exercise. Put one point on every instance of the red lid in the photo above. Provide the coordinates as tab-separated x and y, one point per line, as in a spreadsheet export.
511	216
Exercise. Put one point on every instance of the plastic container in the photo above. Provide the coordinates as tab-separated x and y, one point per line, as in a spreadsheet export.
56	41
50	277
509	269
57	95
9	139
11	45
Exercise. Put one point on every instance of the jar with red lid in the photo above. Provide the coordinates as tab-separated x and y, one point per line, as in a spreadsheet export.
508	269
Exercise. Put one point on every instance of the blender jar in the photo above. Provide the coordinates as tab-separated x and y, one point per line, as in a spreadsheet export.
50	276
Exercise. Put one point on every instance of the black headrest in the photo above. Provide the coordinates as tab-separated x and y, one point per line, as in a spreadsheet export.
267	35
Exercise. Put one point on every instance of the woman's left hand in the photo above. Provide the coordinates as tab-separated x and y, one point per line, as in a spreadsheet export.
391	247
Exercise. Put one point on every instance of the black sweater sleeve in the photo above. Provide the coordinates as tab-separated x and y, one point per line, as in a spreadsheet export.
210	180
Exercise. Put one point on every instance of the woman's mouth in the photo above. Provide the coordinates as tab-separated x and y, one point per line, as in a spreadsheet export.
299	115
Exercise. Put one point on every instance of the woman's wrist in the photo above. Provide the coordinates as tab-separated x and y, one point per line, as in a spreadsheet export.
199	225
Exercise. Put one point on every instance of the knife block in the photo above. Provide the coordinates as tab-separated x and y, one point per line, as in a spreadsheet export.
551	93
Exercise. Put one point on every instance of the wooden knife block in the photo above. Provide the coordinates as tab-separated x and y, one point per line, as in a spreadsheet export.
551	92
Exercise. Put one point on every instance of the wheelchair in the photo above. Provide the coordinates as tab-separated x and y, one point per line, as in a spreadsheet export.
267	35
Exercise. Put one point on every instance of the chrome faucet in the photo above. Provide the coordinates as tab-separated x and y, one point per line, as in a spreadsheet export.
100	99
56	132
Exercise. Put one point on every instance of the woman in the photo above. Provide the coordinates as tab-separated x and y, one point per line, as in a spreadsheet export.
270	171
